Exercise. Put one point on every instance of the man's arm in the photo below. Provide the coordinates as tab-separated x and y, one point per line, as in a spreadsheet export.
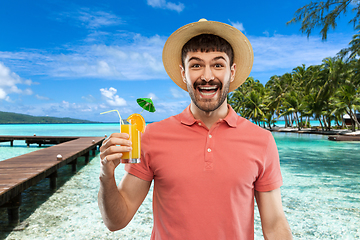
273	220
118	204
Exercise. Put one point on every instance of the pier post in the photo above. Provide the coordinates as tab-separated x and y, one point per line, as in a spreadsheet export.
87	157
13	209
52	178
73	165
11	143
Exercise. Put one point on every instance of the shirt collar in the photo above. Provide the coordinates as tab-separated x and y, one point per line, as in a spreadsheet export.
232	117
187	118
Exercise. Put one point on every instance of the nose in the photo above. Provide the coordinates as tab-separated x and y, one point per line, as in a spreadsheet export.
207	74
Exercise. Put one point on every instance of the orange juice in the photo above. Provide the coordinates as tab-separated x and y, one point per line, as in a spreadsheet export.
134	155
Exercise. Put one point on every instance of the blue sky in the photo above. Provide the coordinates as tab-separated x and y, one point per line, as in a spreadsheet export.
78	58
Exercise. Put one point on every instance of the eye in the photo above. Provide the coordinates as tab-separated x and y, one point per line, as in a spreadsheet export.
218	65
196	65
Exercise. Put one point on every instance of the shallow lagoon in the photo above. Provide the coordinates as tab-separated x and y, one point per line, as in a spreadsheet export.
321	193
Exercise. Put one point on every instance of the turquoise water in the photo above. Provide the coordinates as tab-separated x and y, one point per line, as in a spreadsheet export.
321	192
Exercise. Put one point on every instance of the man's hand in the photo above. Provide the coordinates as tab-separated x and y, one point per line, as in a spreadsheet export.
110	153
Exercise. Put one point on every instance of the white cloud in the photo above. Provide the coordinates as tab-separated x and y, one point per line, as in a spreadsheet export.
3	94
137	57
9	82
178	93
163	4
89	98
266	33
140	58
41	97
98	19
282	53
111	98
238	25
171	108
91	19
152	96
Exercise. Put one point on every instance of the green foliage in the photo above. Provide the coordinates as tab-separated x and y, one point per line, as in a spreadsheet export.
323	92
353	50
8	117
324	14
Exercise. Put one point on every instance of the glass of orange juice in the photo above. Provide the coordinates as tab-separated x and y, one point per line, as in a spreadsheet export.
129	126
134	125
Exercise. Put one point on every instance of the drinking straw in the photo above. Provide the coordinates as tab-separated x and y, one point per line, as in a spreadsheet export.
117	113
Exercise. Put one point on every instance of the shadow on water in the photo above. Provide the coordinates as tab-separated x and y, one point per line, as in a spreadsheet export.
36	195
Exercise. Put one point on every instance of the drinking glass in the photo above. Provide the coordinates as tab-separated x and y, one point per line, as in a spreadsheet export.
128	126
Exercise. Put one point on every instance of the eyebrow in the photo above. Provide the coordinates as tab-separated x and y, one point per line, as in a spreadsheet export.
199	59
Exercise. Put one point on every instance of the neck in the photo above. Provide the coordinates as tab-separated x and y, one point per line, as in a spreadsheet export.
209	118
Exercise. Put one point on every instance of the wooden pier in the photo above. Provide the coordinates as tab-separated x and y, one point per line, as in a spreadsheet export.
344	138
19	173
40	140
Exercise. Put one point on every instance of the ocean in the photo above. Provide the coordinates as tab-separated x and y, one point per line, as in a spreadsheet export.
321	191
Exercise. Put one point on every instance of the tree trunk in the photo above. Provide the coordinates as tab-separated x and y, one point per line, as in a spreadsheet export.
329	123
353	120
343	125
325	125
298	121
322	127
286	122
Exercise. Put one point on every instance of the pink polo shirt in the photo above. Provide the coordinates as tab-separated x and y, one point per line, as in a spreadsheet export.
204	179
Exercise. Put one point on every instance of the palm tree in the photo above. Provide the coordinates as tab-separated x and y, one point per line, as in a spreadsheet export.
276	90
255	108
353	50
325	14
347	99
248	100
292	104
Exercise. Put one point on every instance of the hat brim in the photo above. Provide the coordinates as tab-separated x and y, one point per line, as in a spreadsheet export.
243	52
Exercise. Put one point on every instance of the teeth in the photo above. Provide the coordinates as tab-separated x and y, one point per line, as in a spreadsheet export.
206	94
208	88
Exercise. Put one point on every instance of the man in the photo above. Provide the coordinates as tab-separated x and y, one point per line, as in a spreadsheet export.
207	162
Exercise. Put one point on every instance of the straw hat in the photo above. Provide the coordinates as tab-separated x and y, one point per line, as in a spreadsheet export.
243	53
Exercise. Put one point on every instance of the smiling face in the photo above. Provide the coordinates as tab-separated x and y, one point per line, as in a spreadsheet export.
208	76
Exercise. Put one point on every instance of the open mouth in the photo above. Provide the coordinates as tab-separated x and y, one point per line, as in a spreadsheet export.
208	91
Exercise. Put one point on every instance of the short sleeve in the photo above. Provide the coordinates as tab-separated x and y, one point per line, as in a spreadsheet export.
270	175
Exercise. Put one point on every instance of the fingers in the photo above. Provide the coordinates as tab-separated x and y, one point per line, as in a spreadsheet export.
115	139
105	158
105	161
113	147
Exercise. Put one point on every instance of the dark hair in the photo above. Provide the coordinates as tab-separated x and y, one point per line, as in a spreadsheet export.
207	43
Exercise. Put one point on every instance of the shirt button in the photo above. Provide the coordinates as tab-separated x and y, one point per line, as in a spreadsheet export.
209	149
210	136
199	124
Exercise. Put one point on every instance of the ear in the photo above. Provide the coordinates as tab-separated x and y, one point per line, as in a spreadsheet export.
182	71
233	71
